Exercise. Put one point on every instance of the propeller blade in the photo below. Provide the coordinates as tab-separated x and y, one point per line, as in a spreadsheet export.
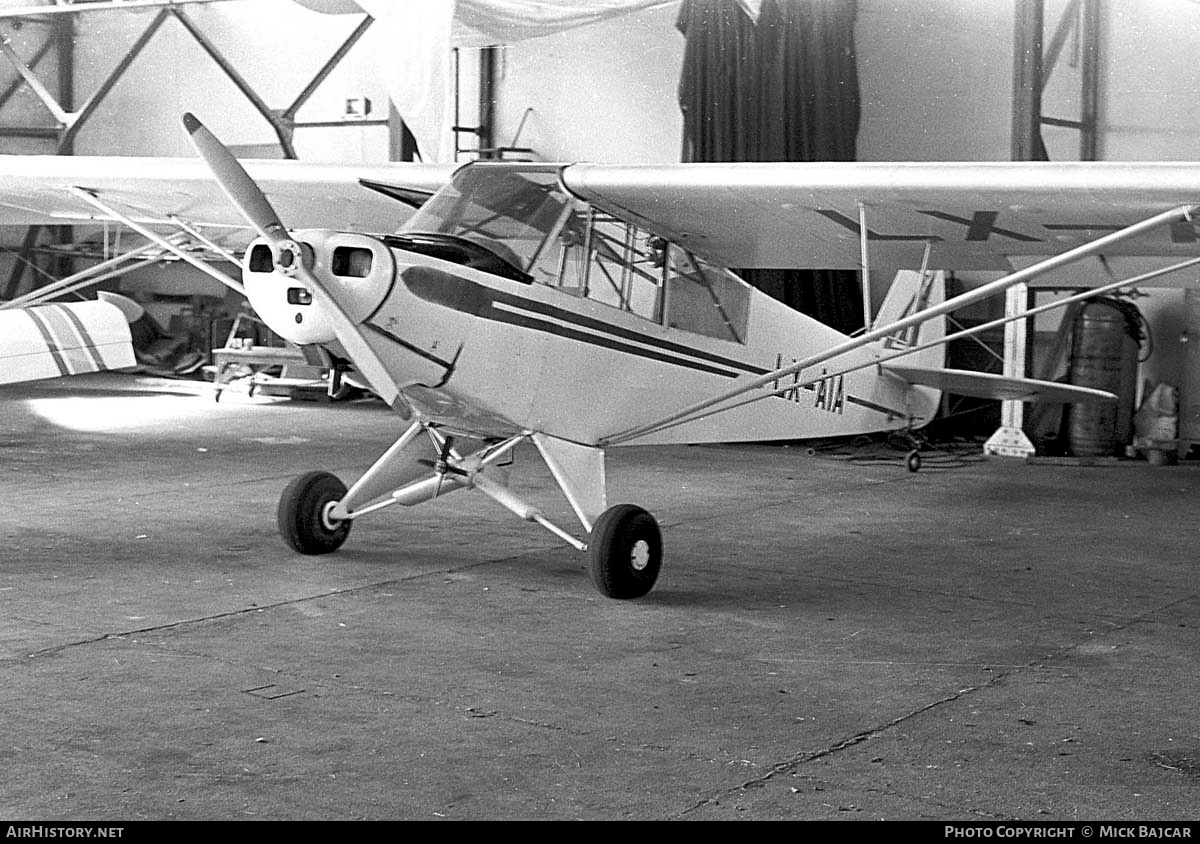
242	190
361	354
249	199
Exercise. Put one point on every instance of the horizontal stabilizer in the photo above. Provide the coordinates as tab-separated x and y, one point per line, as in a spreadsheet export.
68	339
984	385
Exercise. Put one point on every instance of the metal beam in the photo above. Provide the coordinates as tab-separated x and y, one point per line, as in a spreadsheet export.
282	130
46	133
94	6
15	84
110	82
289	114
23	261
1089	82
1027	81
1034	61
487	102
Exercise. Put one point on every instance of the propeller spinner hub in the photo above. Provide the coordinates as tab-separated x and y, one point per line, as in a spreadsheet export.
288	257
355	273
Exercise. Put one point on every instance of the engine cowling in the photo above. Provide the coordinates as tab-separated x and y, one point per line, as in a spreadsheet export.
357	270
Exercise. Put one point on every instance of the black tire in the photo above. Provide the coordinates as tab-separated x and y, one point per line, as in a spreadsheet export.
625	552
912	462
302	522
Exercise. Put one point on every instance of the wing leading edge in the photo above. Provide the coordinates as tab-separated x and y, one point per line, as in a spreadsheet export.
49	341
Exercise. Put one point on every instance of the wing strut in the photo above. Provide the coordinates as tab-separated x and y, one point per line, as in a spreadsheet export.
91	199
91	275
1097	246
958	335
864	249
1001	321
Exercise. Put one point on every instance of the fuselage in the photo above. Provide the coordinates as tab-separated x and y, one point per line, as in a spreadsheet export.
506	305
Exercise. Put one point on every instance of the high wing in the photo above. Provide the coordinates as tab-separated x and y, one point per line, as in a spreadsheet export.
155	191
971	215
801	215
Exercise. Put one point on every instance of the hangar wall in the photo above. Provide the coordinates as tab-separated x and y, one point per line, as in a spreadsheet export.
601	93
935	78
276	45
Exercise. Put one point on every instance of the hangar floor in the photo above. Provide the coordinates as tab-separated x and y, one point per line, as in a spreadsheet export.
830	637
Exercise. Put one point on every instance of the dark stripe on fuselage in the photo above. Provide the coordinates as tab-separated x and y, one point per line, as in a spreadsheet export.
448	365
451	291
527	321
876	407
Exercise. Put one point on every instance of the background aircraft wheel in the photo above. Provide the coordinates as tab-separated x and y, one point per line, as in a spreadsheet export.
913	461
625	552
304	523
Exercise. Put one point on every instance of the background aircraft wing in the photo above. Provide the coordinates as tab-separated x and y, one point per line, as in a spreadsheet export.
63	339
37	189
972	215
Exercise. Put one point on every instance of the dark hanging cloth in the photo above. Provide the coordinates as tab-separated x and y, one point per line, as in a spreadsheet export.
784	88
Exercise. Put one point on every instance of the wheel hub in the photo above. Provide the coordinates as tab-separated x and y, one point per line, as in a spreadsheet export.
639	556
327	520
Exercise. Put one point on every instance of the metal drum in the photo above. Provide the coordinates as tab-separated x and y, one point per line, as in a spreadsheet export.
1104	355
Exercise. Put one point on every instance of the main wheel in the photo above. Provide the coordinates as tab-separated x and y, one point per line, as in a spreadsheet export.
625	552
304	521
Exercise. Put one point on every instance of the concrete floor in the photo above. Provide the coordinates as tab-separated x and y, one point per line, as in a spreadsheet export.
831	637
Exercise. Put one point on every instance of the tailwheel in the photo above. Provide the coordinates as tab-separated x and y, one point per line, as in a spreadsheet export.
912	460
304	521
625	552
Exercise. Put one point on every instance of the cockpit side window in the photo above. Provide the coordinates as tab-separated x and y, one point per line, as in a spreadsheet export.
604	259
704	298
529	228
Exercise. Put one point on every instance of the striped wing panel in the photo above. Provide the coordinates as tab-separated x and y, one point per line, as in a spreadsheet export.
49	341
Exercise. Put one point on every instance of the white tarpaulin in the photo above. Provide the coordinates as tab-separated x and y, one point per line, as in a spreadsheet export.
412	42
480	23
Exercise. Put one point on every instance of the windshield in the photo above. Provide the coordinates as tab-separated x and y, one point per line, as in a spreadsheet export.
508	209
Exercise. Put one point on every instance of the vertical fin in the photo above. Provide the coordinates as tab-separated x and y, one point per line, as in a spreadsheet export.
913	291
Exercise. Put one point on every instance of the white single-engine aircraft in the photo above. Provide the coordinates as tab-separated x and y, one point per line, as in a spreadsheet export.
582	307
